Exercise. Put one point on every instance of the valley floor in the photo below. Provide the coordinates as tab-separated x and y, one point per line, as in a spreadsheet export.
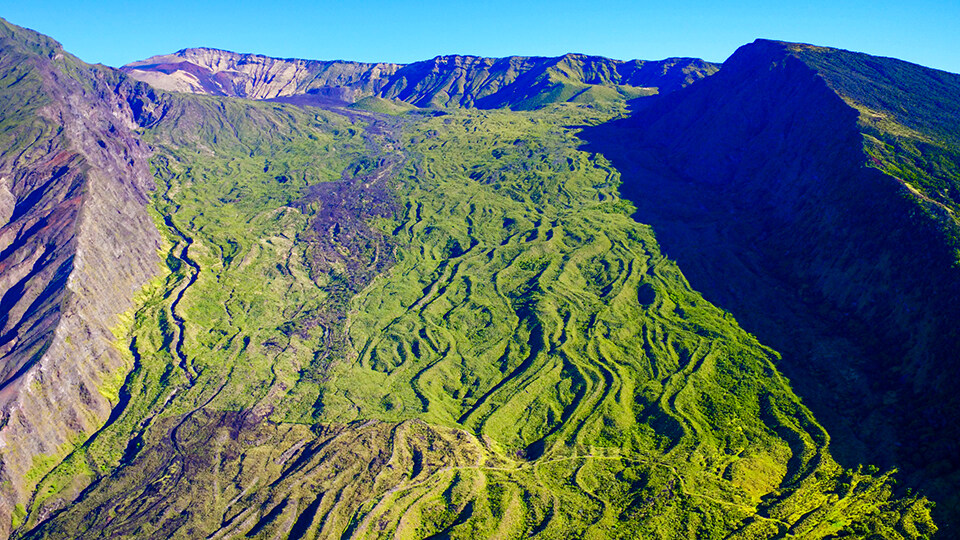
436	325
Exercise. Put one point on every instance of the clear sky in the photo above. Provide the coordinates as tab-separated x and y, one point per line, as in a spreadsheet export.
115	32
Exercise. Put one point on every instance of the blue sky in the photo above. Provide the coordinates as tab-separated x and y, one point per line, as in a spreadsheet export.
115	32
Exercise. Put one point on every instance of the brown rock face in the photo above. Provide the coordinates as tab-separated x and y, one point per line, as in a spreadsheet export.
254	76
76	243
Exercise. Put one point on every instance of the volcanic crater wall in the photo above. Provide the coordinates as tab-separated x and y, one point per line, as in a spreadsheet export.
444	81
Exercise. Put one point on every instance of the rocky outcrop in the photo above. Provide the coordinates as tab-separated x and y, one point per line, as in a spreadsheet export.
254	76
444	81
76	243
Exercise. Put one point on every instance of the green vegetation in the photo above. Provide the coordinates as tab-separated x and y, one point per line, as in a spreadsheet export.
921	98
19	513
230	213
914	139
570	380
556	88
527	307
385	321
382	106
908	114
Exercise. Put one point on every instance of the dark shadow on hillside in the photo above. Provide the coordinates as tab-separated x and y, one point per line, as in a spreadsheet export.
722	243
710	239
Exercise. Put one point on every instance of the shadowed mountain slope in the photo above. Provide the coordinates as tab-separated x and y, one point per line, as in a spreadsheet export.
445	81
809	191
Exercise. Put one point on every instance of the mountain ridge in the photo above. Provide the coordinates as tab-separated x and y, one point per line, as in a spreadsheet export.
451	80
75	187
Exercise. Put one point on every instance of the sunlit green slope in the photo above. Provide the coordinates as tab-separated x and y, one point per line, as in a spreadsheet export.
440	324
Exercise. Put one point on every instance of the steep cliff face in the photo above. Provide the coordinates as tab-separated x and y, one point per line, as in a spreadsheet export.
224	73
445	81
758	183
76	243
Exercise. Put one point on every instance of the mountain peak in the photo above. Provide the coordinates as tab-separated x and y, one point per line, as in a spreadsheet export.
16	37
919	98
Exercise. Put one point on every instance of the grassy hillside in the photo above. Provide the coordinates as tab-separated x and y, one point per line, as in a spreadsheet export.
910	119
